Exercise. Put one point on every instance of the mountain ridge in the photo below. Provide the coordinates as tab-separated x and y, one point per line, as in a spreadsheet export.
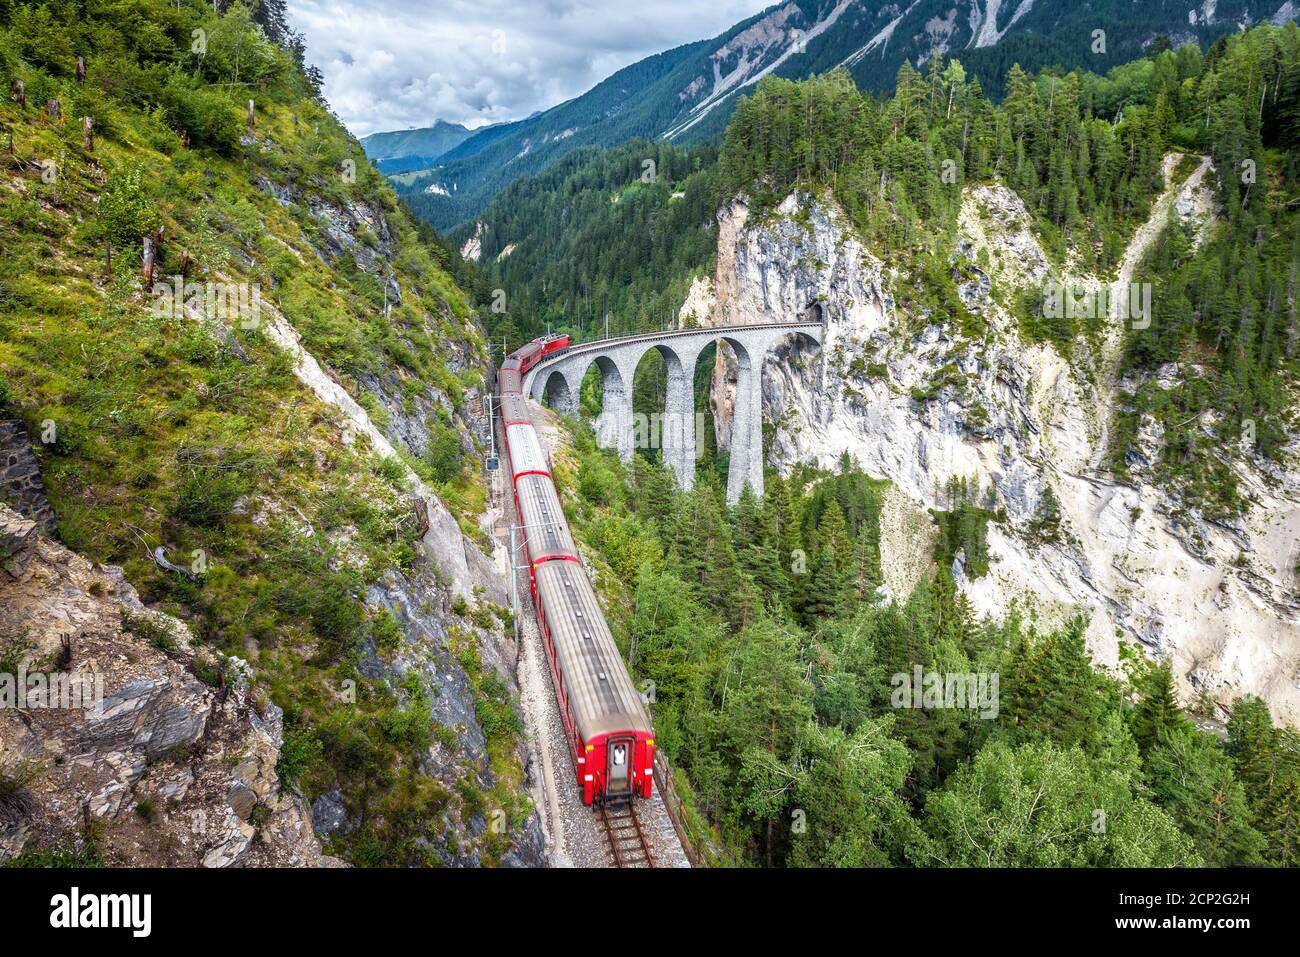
690	90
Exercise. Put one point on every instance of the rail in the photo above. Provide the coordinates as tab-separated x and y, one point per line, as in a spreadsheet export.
624	837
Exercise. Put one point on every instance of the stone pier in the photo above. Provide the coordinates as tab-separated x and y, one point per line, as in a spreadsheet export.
561	377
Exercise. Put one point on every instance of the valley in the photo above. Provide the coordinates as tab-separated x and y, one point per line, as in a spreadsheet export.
996	530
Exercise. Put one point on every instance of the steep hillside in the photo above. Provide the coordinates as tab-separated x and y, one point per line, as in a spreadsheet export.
276	435
687	94
614	232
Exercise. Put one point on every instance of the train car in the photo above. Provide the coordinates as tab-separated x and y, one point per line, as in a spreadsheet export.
610	737
602	710
526	456
545	530
513	410
539	349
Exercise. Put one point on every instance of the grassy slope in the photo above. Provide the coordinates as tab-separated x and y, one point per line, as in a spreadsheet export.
165	435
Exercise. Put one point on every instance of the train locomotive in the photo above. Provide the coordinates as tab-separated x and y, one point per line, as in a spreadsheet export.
609	733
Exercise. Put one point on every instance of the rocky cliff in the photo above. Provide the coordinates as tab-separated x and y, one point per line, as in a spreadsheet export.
158	757
918	402
252	386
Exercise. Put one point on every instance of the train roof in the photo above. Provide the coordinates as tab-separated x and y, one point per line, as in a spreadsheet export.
525	451
543	518
513	408
600	692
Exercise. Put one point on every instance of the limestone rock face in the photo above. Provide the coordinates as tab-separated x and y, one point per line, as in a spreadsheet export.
918	403
163	769
17	543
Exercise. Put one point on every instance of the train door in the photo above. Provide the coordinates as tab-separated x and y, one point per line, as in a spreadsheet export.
618	767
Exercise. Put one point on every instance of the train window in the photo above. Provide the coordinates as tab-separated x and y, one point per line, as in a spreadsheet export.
620	755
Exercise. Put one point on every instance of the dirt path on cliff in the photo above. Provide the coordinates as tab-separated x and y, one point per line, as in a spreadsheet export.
1138	246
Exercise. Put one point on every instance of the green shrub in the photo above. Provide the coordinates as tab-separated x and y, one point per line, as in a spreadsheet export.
408	727
444	454
127	210
337	618
385	630
210	118
299	753
209	672
208	495
150	628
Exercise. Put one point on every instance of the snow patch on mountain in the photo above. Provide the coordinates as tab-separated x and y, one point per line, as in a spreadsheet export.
752	48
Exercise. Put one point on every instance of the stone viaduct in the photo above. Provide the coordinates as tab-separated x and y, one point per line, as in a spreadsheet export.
560	376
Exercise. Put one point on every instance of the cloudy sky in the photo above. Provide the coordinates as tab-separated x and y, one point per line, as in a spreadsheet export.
395	64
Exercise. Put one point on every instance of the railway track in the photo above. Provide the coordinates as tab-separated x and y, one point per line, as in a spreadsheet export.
624	838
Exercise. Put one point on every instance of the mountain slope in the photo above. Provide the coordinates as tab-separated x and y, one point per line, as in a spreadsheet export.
687	94
275	439
595	235
429	142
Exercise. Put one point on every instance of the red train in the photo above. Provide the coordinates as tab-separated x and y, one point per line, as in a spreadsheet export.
610	736
539	349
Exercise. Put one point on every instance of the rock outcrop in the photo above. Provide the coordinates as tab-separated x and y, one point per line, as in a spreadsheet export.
917	402
134	754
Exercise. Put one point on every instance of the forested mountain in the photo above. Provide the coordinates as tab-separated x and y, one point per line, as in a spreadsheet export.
253	390
774	631
603	232
403	150
1084	153
687	94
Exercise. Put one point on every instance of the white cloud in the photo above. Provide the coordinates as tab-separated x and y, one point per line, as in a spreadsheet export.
395	64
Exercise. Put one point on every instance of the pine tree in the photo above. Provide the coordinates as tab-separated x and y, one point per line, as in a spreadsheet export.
1156	714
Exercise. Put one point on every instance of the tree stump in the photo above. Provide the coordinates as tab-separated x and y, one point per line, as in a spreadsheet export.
81	69
18	92
251	117
88	134
147	264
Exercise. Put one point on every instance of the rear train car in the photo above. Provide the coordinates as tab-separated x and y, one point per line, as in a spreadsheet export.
609	733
